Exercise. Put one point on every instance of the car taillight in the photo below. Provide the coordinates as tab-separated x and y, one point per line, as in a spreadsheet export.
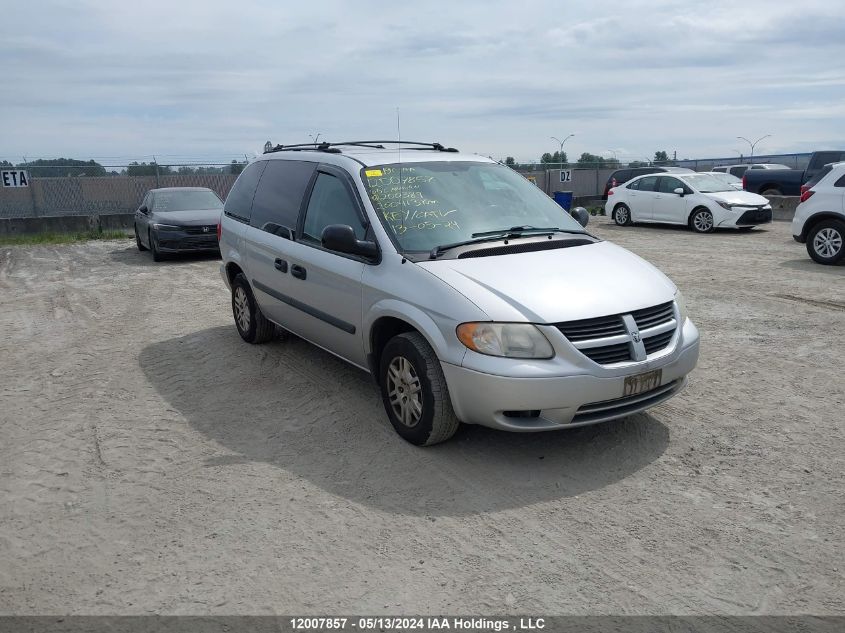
803	189
610	193
806	195
219	230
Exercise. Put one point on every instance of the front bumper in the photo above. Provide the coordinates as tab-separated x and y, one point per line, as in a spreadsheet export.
748	217
541	404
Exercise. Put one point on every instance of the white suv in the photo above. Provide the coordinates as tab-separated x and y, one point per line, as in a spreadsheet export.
467	292
820	218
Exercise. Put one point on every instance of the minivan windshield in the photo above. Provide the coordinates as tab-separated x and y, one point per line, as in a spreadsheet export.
429	204
189	200
706	183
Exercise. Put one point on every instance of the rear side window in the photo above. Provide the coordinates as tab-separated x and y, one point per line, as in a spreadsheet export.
720	169
840	182
648	183
739	170
279	195
239	201
620	176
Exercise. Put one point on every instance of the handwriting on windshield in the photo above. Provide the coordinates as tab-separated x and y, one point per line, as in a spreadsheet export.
406	200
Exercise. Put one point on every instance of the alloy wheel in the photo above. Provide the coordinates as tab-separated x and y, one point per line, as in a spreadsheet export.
828	242
404	391
242	309
703	221
621	215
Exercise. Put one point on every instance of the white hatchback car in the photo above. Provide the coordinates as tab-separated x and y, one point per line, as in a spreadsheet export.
820	218
700	200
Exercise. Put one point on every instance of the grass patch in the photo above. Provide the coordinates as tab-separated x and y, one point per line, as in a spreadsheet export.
61	238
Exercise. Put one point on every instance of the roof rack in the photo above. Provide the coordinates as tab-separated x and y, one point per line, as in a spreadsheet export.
333	148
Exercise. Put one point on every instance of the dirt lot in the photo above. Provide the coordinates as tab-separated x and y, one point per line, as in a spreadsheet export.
151	462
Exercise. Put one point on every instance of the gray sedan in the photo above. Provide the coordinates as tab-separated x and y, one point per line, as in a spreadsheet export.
178	219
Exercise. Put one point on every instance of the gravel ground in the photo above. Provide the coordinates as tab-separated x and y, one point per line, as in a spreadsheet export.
151	462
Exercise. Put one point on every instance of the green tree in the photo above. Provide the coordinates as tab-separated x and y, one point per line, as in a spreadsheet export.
558	158
509	161
144	169
62	167
591	160
661	158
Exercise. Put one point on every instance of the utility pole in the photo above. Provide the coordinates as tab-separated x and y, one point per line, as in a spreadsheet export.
753	145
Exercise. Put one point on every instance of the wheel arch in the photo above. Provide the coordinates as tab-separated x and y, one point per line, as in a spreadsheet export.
232	271
814	219
699	207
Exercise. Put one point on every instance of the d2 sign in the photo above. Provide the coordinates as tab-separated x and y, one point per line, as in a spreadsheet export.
14	178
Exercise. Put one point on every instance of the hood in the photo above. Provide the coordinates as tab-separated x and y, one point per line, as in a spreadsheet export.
739	198
556	285
189	218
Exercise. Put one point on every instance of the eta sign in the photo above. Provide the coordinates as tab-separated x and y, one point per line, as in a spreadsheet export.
14	178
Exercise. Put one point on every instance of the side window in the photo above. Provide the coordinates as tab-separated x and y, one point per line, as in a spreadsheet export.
279	195
823	158
668	184
739	170
840	182
720	169
239	201
623	175
648	183
634	185
330	203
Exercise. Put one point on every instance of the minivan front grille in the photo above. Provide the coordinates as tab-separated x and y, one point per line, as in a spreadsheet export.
607	340
199	230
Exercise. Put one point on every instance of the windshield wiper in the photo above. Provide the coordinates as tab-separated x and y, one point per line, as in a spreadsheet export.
492	236
519	230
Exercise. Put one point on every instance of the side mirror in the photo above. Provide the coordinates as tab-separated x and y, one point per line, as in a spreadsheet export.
341	238
680	191
144	210
580	214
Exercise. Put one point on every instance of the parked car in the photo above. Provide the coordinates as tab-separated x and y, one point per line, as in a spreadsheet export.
621	176
819	220
787	182
739	170
728	179
701	201
176	220
416	266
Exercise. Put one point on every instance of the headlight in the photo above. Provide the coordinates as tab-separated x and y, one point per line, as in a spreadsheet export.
166	227
512	340
725	205
682	306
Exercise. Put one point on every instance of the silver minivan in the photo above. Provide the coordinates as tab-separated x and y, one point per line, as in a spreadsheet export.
466	291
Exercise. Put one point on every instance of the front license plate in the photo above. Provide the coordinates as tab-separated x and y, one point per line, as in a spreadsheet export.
642	382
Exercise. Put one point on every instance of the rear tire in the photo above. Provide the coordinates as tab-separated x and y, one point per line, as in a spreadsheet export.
826	242
622	215
141	247
252	325
414	391
701	221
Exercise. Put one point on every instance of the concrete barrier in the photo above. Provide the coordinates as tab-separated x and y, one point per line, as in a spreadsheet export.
67	224
783	207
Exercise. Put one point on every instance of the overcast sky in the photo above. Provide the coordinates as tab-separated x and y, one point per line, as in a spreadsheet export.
214	80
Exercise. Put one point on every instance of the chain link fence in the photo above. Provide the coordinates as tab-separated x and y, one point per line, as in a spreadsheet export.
62	190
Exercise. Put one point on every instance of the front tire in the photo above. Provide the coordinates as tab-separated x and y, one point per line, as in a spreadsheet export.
622	215
252	325
826	242
157	254
141	247
414	391
701	221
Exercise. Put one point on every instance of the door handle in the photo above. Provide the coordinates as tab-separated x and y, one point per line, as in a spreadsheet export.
297	271
281	265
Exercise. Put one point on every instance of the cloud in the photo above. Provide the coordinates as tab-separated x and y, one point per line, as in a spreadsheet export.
215	79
